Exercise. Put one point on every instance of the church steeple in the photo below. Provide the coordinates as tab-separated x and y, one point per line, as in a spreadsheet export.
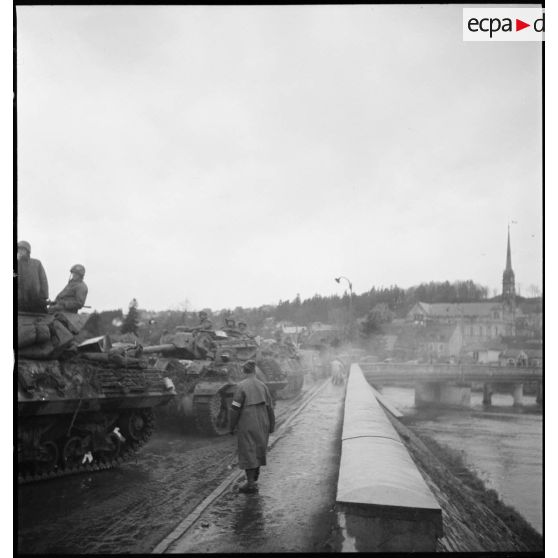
508	277
508	255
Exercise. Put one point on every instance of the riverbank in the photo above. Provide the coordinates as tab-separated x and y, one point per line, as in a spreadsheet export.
475	519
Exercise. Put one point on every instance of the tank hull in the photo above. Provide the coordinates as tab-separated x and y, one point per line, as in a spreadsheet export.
205	390
75	416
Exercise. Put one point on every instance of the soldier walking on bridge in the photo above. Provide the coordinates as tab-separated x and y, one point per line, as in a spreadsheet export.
252	412
337	372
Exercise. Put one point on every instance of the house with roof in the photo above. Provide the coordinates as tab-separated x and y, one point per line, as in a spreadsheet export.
484	352
526	347
534	357
478	320
529	321
439	342
514	357
320	326
295	333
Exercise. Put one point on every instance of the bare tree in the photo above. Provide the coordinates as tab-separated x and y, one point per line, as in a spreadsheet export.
534	291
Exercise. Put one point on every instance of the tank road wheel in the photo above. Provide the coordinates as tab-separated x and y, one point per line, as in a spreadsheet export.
72	453
47	458
135	425
212	415
138	425
219	414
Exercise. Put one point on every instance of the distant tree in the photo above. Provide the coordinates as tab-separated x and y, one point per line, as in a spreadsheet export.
183	305
110	321
372	324
93	325
131	321
534	291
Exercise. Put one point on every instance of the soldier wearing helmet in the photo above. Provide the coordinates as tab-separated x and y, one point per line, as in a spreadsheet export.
205	323
243	330
32	284
73	295
230	328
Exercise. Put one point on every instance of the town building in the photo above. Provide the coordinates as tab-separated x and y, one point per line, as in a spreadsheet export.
479	322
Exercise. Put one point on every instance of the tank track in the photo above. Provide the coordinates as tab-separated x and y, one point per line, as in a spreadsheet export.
271	369
294	386
295	378
129	448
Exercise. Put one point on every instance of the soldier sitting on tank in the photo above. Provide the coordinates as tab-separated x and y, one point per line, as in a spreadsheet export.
72	297
278	336
32	284
205	323
230	328
290	347
243	330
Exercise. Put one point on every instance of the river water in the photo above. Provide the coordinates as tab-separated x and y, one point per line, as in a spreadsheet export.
502	444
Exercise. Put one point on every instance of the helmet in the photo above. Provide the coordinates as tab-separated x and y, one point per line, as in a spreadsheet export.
24	244
78	268
249	367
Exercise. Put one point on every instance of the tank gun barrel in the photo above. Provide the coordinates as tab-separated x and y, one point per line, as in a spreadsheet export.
165	347
115	358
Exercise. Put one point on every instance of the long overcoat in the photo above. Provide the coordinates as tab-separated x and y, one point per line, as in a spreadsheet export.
256	421
32	285
72	297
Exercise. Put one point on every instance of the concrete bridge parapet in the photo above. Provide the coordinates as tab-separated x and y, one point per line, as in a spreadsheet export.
399	371
380	490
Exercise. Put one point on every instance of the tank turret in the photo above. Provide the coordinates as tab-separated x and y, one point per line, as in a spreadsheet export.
285	356
187	344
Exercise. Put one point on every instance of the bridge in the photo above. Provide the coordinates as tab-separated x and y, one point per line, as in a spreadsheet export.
450	384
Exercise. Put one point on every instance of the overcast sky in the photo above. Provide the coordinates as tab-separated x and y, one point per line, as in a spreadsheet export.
240	155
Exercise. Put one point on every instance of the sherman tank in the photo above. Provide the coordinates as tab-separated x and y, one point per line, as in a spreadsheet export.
284	358
81	406
205	366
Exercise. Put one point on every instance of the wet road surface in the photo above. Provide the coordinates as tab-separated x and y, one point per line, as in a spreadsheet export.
129	509
294	509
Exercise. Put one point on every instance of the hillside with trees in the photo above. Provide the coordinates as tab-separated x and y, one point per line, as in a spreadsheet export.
372	308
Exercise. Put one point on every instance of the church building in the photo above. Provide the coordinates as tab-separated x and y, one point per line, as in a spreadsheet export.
478	322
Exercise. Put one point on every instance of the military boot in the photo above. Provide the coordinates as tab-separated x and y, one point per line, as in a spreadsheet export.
250	486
